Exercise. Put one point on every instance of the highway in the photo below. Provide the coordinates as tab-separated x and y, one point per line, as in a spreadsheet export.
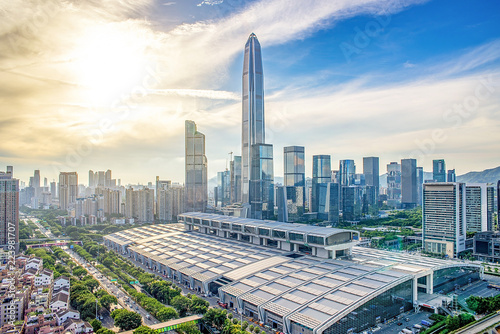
481	326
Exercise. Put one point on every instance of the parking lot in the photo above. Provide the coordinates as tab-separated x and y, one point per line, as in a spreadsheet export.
392	327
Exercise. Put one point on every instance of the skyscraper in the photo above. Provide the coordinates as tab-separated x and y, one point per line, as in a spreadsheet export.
439	170
163	205
408	183
196	187
420	182
452	177
294	166
371	172
68	190
253	126
476	201
236	179
9	212
444	218
91	179
393	184
321	173
261	185
347	171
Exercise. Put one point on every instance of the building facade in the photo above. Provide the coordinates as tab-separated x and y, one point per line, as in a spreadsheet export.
408	183
261	192
68	190
439	170
444	218
321	173
9	212
196	186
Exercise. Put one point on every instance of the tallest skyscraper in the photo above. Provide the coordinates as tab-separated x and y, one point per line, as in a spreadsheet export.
256	157
253	127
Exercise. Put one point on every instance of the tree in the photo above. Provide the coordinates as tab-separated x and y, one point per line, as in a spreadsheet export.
181	304
188	328
198	305
127	320
144	330
118	312
105	331
215	317
166	313
107	301
96	324
79	272
91	283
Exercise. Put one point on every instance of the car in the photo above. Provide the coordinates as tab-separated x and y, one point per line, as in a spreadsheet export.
400	323
148	316
137	308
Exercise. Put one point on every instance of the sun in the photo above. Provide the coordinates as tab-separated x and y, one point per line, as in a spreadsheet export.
110	61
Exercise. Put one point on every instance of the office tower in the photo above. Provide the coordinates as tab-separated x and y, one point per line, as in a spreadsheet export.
68	189
408	183
281	203
329	202
347	171
10	170
294	166
107	178
261	191
294	180
439	170
9	212
420	182
321	173
45	182
53	191
163	204
371	172
196	190
393	184
452	177
236	179
476	201
352	199
490	207
91	179
36	179
253	123
223	188
444	218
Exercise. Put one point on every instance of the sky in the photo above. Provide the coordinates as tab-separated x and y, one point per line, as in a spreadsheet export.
108	84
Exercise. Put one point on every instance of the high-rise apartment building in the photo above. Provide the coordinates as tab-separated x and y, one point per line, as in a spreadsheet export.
444	218
439	170
196	186
371	172
321	173
163	200
68	189
253	122
91	179
409	183
9	212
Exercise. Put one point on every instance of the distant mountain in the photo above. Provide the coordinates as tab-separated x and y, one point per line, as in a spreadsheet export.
486	176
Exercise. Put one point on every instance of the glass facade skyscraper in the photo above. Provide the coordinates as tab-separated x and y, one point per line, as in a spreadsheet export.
322	173
262	182
409	191
236	179
347	172
439	170
371	172
253	126
196	192
294	165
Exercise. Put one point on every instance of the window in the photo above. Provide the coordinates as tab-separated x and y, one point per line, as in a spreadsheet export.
236	227
264	231
225	226
215	224
250	229
312	239
296	236
279	234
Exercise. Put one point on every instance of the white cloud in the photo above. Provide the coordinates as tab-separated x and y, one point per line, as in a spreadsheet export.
210	2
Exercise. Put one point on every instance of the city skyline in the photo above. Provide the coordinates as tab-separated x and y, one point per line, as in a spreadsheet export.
326	89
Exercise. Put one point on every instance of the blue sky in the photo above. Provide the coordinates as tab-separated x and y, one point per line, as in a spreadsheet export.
109	84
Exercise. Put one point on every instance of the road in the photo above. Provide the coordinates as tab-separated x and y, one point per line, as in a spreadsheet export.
481	325
113	290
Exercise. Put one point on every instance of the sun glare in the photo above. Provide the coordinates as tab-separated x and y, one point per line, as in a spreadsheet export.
110	63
